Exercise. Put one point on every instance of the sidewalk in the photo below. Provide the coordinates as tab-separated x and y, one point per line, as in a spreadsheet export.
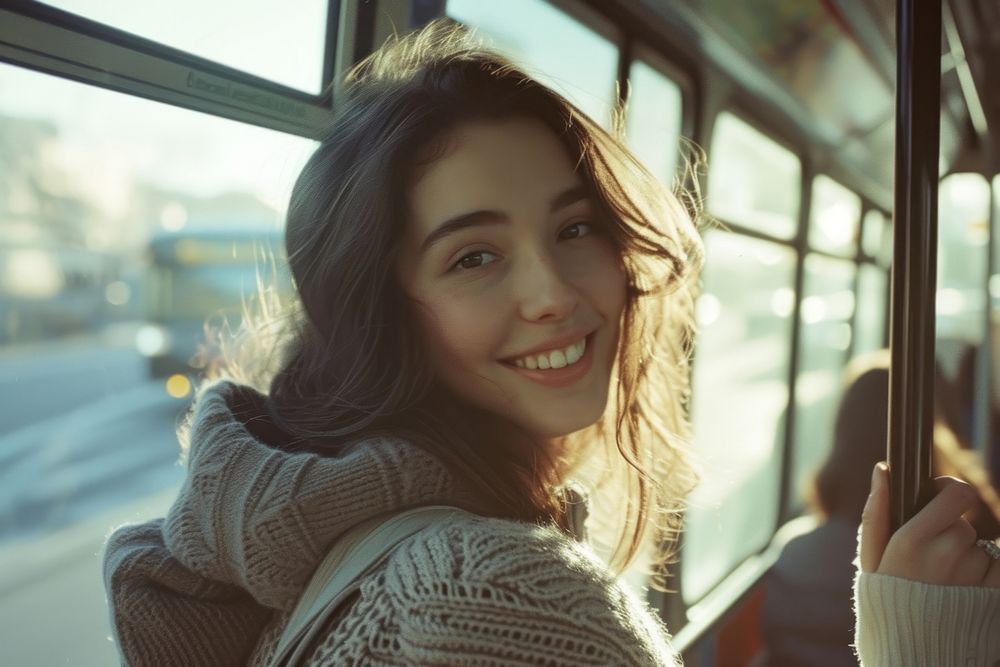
53	609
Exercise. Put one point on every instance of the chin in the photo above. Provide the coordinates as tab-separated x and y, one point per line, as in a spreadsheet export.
556	426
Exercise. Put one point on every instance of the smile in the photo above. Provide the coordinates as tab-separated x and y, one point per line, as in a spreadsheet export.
559	367
556	359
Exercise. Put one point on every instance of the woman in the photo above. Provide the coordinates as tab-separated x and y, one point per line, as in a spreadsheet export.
477	263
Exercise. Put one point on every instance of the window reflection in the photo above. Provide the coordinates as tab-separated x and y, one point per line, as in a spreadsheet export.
654	119
740	394
824	344
872	316
752	180
834	216
580	64
876	237
963	231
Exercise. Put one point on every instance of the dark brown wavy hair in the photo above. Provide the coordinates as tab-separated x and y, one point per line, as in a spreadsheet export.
347	359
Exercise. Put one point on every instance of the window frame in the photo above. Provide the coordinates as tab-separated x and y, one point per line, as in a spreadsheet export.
93	53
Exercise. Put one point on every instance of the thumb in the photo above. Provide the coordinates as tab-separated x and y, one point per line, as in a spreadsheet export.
874	534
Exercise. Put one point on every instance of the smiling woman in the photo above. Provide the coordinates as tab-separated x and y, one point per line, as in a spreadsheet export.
493	321
478	265
544	277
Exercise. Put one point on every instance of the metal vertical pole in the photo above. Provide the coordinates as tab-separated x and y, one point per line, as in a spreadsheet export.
914	262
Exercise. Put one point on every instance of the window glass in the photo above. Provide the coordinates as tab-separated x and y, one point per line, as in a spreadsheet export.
963	232
280	41
653	123
554	47
826	312
740	394
92	182
833	217
752	180
871	322
994	284
876	237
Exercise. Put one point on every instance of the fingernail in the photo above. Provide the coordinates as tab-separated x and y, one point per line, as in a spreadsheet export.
880	467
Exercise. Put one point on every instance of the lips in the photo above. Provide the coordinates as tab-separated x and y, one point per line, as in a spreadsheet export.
560	377
551	345
556	359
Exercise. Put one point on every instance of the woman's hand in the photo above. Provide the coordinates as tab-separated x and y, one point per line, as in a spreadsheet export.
937	546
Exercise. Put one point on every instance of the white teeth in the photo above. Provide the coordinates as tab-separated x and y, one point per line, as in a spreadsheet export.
554	359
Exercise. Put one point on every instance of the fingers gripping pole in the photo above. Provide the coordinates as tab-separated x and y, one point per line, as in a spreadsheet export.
914	262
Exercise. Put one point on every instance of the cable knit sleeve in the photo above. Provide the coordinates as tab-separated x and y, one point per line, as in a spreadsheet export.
497	592
912	624
164	614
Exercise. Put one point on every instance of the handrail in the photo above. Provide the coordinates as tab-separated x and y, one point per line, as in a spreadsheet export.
914	264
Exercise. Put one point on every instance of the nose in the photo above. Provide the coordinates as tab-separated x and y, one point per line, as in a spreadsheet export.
544	293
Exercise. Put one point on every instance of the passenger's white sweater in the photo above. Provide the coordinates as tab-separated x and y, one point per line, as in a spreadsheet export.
212	583
902	623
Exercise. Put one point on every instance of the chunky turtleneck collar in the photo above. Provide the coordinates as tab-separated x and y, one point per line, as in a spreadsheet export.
261	518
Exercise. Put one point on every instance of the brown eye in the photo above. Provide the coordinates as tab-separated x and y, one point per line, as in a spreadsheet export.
575	231
474	260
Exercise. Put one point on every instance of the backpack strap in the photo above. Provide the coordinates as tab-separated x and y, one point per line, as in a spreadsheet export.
358	552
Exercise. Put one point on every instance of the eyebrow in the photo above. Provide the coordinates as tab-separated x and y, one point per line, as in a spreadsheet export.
491	217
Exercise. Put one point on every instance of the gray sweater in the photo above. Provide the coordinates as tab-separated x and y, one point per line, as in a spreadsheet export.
212	583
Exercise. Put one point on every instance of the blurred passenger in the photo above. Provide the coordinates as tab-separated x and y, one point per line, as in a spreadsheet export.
807	616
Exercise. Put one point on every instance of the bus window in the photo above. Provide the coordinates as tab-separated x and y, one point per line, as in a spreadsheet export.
653	124
870	318
876	237
740	394
994	281
963	232
283	42
752	180
90	178
827	311
581	64
834	217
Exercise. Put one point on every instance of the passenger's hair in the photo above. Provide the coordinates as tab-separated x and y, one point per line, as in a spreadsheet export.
352	360
859	435
841	486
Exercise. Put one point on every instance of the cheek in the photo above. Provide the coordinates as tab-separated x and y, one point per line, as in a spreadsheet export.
462	332
605	282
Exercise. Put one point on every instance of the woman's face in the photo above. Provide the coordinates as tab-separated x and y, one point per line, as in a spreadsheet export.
519	291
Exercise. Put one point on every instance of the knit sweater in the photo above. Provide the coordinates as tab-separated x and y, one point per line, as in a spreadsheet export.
214	581
902	623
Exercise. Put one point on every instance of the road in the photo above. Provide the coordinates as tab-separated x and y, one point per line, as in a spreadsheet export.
86	443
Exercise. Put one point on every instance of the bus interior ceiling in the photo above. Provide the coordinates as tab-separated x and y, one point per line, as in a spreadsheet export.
827	70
